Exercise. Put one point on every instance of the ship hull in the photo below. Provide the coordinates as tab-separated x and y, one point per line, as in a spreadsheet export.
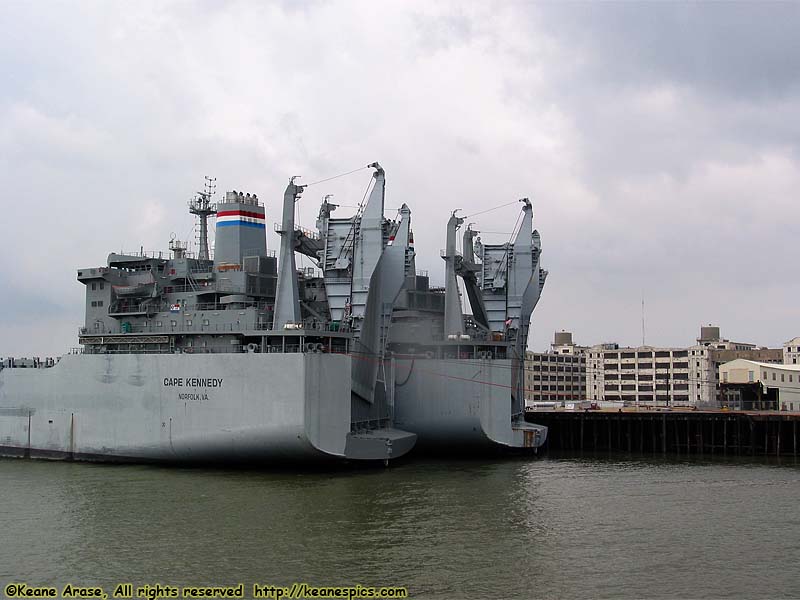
244	408
461	405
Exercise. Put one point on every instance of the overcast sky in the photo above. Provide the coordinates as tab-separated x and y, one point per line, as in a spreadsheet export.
659	144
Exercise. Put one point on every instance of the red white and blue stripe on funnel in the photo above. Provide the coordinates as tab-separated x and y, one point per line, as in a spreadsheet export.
240	218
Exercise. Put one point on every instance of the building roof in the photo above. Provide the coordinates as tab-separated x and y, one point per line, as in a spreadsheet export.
780	366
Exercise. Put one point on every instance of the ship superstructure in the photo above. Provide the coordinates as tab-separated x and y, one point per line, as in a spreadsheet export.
238	355
459	377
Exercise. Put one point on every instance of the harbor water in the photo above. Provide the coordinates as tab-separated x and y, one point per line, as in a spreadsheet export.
569	527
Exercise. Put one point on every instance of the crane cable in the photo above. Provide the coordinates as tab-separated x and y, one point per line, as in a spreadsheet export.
491	209
337	176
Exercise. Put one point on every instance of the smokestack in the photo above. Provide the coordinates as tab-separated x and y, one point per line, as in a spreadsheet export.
241	229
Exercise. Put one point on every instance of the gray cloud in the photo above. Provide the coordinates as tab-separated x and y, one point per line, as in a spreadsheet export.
659	142
744	49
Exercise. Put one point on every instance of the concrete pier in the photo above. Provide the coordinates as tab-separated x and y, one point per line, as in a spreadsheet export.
670	431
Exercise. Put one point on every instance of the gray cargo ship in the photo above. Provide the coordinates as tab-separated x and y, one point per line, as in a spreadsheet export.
244	357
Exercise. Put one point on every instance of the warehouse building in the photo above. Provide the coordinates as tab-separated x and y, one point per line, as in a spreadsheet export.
709	353
752	385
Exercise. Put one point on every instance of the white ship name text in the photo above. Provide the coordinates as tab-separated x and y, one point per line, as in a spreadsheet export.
193	382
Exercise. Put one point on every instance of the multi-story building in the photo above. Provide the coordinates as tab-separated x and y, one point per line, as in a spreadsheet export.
644	374
557	376
791	351
667	376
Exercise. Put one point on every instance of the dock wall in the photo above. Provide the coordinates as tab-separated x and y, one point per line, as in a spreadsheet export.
671	432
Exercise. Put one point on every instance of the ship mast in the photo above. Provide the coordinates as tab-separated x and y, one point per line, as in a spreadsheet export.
202	206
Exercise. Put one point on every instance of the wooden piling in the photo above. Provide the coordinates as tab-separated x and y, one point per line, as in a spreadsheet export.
688	436
640	423
630	436
738	436
700	445
653	449
713	422
725	437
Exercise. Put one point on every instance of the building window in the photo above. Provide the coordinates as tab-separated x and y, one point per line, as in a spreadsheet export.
189	322
99	303
205	321
173	323
94	286
750	376
765	374
102	285
783	378
159	324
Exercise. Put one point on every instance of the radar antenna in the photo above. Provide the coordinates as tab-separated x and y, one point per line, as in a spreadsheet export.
202	206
